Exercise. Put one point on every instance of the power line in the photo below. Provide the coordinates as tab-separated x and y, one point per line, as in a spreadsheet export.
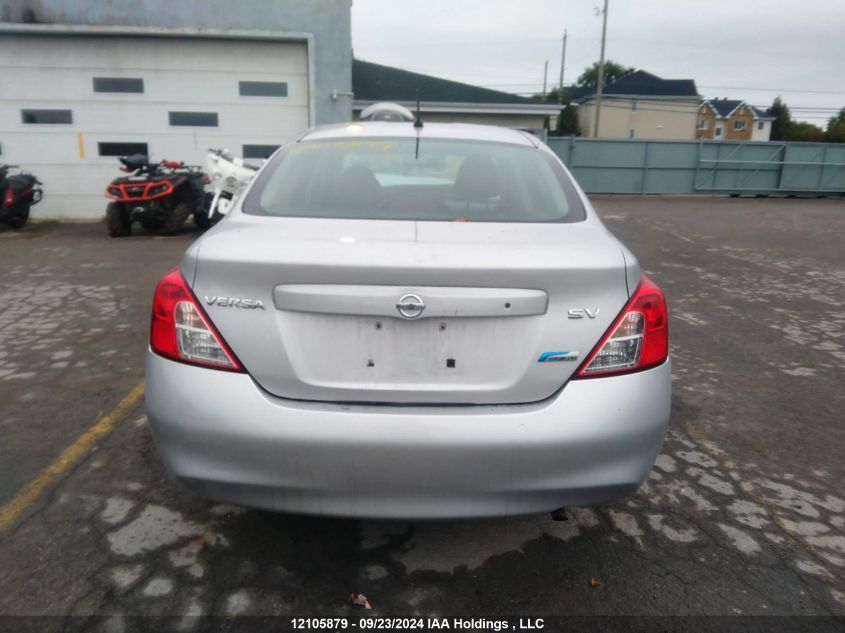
790	90
462	43
676	110
810	109
818	92
537	82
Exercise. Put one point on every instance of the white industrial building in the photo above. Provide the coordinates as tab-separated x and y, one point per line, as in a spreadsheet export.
84	82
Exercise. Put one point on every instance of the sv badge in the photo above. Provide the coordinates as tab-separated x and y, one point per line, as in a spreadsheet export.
580	313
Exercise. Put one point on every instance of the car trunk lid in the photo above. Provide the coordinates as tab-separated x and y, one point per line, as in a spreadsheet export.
410	312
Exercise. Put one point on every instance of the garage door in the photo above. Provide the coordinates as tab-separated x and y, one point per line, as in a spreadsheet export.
69	105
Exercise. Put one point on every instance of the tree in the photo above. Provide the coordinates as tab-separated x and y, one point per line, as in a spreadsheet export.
803	131
785	128
612	71
783	119
568	119
836	120
835	132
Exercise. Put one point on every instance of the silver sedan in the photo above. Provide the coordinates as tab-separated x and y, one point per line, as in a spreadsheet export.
407	322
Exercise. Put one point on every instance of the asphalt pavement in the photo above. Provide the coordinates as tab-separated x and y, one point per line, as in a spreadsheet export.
743	513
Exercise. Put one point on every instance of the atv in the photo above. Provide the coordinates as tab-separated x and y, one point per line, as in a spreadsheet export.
160	196
18	193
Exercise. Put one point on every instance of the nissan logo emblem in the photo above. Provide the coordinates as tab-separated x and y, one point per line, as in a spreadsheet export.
410	306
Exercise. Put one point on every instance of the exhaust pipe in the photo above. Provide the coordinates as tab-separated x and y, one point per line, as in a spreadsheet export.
559	515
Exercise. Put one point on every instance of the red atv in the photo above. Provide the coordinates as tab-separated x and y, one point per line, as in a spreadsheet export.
18	193
160	196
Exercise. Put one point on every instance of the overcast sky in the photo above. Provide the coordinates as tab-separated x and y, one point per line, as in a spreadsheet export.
740	49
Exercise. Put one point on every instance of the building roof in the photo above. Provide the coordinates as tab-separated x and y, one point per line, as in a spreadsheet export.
579	92
373	82
759	113
643	84
725	107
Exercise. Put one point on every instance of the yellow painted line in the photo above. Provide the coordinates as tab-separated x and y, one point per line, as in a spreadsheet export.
68	458
81	142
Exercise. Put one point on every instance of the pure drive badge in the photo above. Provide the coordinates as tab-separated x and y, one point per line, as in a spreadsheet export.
558	357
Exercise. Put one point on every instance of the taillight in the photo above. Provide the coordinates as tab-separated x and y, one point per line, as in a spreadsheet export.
9	198
637	339
181	330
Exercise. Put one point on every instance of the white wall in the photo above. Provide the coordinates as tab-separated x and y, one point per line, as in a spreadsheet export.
328	22
764	134
55	72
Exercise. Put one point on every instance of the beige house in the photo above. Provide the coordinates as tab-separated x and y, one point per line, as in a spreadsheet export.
729	119
640	105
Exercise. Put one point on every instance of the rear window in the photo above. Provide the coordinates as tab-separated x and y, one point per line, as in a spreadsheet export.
394	179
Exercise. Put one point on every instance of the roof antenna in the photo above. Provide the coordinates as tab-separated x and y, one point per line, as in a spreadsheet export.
418	126
418	123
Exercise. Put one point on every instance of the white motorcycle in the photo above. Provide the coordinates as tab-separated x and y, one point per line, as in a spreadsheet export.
228	175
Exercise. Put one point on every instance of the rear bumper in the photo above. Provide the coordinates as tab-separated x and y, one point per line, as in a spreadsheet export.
225	437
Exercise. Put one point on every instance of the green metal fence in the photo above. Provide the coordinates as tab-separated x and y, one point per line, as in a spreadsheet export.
704	167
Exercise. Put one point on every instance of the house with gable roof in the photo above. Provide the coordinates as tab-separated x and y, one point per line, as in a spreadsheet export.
641	105
732	119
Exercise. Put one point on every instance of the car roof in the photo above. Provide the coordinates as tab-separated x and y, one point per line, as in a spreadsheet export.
393	129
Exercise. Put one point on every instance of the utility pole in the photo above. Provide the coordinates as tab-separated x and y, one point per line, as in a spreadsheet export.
600	79
562	65
545	76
